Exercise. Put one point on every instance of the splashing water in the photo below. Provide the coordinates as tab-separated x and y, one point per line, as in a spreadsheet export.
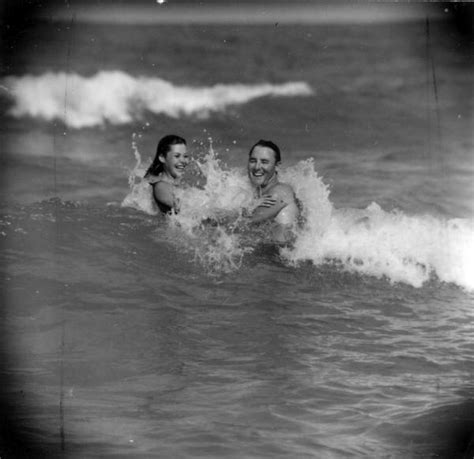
401	248
139	197
208	216
393	245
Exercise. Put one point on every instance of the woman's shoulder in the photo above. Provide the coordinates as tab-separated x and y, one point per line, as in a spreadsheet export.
153	179
159	181
162	186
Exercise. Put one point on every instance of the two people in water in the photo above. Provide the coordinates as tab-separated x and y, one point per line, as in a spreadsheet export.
275	201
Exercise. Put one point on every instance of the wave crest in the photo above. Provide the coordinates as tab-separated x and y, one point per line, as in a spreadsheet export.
118	98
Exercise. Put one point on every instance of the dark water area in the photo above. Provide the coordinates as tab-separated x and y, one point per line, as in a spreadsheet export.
157	358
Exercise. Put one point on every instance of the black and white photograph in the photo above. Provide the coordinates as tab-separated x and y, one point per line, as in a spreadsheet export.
236	229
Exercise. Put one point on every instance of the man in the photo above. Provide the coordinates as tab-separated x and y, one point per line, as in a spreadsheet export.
276	200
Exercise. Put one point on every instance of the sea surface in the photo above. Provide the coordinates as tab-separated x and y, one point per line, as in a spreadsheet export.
127	334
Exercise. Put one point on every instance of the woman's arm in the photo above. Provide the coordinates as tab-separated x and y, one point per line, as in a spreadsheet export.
163	193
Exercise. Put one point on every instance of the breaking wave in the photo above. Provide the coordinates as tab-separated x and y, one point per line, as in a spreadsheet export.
411	249
118	98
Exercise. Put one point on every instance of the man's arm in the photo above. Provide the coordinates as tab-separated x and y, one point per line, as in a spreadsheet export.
282	194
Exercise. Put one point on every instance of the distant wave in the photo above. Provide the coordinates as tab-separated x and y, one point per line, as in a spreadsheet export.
118	98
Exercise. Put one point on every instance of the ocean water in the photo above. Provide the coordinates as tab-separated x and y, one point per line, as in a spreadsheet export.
126	334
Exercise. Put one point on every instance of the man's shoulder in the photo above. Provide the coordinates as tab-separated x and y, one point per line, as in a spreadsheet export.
283	190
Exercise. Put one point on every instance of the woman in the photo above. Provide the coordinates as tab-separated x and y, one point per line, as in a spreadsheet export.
166	170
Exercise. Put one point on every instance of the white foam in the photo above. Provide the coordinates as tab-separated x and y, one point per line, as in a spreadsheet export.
401	248
116	97
225	193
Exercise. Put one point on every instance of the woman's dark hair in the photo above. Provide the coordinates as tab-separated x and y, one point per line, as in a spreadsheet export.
268	144
164	146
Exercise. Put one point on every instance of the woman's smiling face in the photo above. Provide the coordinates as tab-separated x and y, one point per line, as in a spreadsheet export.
175	160
261	165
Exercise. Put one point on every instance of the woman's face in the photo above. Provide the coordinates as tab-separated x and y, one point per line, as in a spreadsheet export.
261	166
175	160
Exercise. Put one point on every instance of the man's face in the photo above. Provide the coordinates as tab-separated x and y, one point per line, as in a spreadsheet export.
261	166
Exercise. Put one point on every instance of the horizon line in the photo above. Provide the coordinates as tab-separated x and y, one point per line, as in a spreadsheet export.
163	13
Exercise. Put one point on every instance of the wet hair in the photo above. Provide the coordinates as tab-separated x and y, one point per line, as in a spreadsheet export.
268	144
164	146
